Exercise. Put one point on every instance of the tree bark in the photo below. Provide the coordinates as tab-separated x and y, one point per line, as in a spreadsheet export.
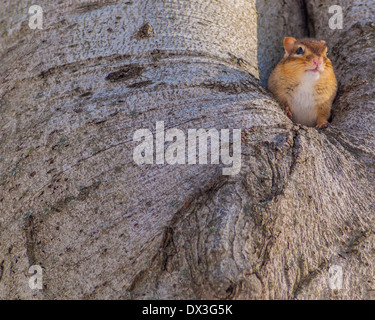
73	201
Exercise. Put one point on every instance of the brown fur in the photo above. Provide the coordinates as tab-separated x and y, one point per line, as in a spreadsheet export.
287	75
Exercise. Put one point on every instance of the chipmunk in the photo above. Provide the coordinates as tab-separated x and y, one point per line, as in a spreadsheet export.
304	82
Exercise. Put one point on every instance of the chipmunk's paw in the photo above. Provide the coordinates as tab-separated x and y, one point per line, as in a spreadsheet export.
323	124
288	112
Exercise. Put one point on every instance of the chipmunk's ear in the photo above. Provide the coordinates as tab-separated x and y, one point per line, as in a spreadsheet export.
322	41
289	44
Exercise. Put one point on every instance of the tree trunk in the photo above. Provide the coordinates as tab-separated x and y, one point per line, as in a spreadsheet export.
73	200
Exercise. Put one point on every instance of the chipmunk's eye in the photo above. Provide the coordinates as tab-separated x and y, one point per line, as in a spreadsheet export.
299	50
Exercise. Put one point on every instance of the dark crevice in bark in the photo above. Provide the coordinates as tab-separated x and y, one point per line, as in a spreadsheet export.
309	27
30	240
167	247
294	150
1	269
125	73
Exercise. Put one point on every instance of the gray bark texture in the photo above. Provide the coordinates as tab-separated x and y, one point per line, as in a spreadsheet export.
73	201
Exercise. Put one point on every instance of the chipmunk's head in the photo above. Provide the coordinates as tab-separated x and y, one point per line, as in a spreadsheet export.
306	55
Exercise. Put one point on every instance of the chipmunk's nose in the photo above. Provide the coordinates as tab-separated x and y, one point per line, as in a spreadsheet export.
317	61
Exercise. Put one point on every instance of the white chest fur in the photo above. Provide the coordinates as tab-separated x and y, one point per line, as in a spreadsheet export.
303	100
